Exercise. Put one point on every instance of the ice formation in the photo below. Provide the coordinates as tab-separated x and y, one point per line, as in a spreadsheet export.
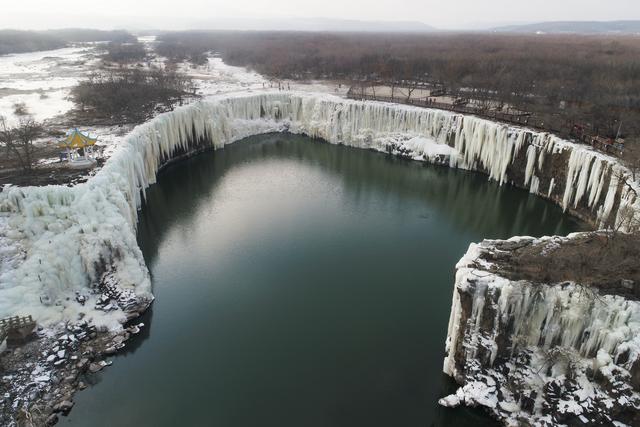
546	336
543	316
64	240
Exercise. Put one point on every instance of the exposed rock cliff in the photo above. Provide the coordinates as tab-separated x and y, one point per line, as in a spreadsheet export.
548	348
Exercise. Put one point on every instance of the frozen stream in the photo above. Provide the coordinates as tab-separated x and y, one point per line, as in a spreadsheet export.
303	284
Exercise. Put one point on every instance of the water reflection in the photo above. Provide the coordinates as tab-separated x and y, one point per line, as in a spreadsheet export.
466	199
301	283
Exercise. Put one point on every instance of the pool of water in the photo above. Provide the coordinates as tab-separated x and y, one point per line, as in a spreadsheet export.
300	283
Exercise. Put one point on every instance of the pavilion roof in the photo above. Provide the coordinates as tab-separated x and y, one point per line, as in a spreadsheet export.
76	139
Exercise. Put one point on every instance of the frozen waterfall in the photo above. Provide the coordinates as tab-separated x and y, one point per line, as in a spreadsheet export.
62	238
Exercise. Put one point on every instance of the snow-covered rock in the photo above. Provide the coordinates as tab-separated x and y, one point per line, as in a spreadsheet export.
560	352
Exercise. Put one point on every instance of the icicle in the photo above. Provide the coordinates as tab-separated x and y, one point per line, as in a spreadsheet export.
535	184
607	206
551	185
531	163
105	207
538	315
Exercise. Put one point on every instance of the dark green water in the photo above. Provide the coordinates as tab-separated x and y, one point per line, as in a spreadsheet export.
303	284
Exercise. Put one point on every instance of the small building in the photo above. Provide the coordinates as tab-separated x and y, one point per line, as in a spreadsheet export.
78	149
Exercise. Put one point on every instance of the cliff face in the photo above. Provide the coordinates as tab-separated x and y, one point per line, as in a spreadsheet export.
535	353
63	243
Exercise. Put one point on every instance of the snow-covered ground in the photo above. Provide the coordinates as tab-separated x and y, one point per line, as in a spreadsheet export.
42	80
217	78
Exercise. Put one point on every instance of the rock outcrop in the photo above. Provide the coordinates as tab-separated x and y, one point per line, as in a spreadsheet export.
565	352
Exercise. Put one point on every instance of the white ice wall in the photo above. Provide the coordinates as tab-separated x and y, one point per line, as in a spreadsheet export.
62	233
537	315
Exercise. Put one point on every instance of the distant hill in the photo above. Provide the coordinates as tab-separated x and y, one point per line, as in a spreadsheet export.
576	27
319	24
315	24
14	41
84	35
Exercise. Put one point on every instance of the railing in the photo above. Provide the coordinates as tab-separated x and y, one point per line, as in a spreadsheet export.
524	119
15	323
520	119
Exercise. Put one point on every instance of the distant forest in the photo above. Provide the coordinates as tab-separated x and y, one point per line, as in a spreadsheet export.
586	80
15	41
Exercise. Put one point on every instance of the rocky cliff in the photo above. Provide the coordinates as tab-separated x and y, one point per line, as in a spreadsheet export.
547	331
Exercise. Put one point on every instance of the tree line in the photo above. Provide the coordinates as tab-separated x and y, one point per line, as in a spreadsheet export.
17	142
18	41
125	52
590	81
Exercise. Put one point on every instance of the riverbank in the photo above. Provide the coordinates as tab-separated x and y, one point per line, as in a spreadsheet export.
40	376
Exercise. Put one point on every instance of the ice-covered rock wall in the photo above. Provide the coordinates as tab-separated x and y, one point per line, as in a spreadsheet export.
552	354
72	252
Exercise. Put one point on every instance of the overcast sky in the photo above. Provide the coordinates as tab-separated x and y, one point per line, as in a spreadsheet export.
180	14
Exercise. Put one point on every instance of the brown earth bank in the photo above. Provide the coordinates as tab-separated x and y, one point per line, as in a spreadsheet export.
47	175
604	260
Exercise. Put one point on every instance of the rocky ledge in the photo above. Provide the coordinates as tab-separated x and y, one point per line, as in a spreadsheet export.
39	377
546	332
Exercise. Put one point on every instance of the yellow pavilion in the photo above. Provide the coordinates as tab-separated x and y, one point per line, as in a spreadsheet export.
79	147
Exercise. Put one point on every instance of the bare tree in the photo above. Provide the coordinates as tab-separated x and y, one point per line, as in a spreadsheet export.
19	141
631	156
559	81
628	219
411	86
132	94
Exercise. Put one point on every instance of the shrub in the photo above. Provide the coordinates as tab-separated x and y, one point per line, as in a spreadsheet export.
132	94
125	53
